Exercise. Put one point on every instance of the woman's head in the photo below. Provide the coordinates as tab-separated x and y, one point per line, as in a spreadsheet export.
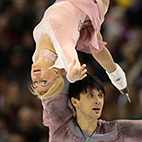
55	89
43	77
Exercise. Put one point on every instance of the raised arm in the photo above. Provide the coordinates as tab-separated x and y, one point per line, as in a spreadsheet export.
56	112
130	130
75	73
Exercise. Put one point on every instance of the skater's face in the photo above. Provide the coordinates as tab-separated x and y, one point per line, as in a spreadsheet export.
42	77
90	104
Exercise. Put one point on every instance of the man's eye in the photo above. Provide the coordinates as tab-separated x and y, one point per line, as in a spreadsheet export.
100	95
90	95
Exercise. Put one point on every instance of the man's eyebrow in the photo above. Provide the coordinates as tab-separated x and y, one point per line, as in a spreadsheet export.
100	91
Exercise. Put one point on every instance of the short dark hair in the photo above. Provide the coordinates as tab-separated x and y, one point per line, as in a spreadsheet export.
81	86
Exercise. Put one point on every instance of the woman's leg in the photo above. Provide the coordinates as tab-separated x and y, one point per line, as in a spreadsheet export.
113	70
105	59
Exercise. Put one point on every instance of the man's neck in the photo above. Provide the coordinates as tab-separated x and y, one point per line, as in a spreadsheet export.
87	124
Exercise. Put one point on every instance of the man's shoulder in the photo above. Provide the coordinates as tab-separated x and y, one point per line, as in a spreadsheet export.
107	126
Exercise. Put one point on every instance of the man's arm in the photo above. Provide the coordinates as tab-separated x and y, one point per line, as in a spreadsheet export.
130	130
56	112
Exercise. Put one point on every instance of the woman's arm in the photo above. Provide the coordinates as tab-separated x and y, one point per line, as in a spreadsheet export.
75	73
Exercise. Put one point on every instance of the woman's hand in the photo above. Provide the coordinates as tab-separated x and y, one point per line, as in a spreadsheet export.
76	73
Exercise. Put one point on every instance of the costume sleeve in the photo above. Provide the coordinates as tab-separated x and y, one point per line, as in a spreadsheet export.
64	34
56	112
130	130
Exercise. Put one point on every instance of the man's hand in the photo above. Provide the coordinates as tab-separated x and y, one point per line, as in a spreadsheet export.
76	73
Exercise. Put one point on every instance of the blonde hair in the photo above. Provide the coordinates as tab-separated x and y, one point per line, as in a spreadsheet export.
55	89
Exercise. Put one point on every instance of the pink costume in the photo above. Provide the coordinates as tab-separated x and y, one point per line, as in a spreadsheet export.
62	21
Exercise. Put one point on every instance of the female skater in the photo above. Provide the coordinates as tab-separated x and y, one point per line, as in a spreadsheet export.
65	25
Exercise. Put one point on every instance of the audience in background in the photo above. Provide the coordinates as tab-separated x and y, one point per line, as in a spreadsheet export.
122	30
16	137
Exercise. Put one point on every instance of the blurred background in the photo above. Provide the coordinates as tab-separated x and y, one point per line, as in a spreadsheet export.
20	111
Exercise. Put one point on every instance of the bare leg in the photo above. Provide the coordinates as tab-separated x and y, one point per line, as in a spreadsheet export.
105	59
113	70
